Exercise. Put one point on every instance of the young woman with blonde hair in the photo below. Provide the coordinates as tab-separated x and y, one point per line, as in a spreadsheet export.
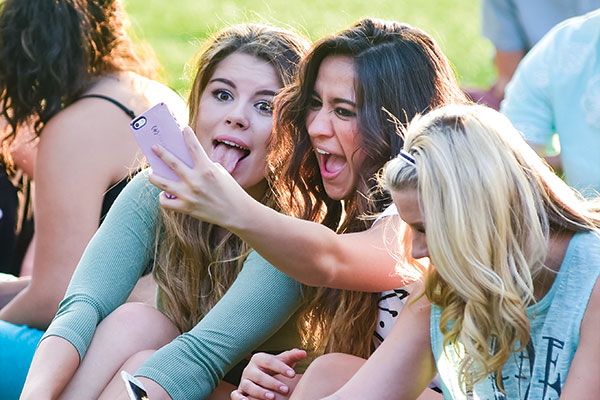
201	331
511	304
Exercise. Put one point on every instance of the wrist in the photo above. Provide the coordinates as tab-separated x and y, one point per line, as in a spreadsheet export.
247	215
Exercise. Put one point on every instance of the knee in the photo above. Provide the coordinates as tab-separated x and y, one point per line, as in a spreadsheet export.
136	360
139	319
329	362
325	375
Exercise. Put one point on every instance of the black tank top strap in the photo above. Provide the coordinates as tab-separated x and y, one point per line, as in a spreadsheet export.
126	110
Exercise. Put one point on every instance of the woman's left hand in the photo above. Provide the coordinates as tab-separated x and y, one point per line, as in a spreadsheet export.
268	376
206	191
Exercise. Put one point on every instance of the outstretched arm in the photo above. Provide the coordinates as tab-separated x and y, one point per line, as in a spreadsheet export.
307	251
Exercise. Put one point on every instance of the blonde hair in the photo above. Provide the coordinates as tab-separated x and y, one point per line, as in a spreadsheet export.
489	204
197	262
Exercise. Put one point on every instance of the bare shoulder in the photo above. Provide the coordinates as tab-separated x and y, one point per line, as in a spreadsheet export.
156	92
94	133
140	93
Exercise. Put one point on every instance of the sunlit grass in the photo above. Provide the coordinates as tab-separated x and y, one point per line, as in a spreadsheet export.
175	28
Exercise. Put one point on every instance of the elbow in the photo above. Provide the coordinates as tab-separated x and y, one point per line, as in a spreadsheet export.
42	306
323	272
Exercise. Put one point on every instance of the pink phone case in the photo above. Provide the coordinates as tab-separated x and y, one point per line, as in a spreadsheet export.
158	126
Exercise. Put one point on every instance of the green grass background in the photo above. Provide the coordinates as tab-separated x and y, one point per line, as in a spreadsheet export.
175	28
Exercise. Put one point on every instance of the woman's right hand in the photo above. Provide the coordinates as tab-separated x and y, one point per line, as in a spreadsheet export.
206	191
260	378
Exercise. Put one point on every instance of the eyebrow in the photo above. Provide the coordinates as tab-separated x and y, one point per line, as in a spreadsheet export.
340	100
337	100
225	81
264	92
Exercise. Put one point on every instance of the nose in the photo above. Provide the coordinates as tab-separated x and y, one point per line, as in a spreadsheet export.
318	123
419	246
236	117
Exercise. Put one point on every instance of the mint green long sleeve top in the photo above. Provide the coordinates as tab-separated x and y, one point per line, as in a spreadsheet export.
254	314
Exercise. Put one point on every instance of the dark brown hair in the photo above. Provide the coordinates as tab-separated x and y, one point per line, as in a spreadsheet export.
52	50
399	70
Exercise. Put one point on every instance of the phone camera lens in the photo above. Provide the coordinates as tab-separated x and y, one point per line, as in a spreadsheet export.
138	123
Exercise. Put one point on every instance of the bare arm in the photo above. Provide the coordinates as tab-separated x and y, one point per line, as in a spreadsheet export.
23	149
80	154
403	366
309	252
582	381
506	63
47	383
8	290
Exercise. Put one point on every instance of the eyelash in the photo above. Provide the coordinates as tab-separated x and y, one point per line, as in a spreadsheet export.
269	107
315	103
340	111
264	107
217	94
344	113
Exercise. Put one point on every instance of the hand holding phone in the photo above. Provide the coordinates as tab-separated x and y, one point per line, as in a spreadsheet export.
135	389
157	125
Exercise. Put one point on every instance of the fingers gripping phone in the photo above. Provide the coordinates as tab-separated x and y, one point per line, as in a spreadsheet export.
157	125
135	389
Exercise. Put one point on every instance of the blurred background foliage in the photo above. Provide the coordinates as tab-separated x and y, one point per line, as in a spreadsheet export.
175	28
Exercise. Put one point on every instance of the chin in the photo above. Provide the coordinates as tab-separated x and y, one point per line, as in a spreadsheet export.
337	194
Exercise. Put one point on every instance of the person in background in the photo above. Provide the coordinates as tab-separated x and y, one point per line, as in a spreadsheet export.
17	163
556	90
212	308
514	27
77	83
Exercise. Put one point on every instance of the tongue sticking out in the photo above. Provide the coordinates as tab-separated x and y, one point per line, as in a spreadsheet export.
334	164
227	156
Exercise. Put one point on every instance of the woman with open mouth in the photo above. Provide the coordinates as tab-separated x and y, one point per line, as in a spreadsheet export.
509	308
199	332
335	126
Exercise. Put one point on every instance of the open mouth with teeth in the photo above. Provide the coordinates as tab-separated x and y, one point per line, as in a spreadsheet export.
330	164
228	154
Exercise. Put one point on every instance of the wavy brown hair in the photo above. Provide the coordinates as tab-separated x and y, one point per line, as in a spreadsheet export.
399	70
198	261
51	51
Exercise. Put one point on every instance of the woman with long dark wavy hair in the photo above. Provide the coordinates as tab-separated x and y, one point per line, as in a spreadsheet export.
69	71
335	131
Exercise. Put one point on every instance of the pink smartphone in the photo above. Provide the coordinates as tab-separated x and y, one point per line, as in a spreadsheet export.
157	125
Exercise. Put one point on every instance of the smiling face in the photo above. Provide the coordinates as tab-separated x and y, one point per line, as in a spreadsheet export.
235	118
407	202
333	127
